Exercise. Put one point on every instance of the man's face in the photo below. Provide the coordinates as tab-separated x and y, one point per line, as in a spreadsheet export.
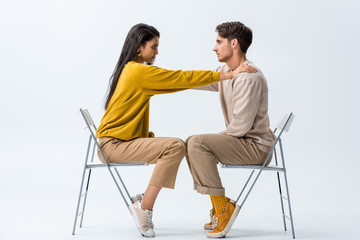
223	49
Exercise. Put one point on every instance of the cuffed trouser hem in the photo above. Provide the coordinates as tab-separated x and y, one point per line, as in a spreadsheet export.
209	191
162	185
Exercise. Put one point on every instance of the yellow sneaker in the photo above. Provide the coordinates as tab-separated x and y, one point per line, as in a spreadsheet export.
222	223
209	225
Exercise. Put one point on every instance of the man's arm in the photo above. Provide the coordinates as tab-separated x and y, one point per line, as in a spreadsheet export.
246	99
210	87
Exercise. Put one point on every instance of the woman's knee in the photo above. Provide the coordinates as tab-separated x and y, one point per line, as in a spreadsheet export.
178	148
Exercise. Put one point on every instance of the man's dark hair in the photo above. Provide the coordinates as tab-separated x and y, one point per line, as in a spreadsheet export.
236	30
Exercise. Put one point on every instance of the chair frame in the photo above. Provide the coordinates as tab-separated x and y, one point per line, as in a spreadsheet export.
88	166
284	124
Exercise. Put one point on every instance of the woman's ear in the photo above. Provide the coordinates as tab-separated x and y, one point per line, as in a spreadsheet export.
140	48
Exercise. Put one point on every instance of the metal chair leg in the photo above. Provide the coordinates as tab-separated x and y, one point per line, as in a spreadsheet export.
281	201
87	185
257	176
81	187
117	173
85	198
287	191
117	185
280	192
244	186
251	187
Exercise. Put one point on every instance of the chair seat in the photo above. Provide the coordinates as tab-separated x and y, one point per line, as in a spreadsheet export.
99	165
268	168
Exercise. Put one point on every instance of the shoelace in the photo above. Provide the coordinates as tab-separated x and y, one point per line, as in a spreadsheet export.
215	221
149	219
137	198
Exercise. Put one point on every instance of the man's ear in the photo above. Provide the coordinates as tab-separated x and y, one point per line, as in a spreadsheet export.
234	43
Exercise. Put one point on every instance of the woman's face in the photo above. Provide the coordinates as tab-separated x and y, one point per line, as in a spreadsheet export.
149	51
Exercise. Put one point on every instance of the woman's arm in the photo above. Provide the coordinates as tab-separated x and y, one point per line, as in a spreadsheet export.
154	80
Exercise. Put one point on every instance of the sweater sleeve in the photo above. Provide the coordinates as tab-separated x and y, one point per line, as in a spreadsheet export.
246	99
157	80
210	87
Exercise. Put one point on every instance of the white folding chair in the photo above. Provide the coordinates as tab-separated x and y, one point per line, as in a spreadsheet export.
284	124
88	166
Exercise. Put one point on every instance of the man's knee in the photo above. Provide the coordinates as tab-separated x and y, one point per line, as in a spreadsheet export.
195	141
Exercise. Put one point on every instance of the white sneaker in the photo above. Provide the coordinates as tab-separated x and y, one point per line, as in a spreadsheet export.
138	198
143	220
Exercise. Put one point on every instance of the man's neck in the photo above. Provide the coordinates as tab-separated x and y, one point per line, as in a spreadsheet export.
236	60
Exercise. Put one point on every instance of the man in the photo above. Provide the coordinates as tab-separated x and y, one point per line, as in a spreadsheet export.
247	138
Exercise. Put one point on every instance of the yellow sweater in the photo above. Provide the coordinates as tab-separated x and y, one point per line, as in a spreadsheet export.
127	115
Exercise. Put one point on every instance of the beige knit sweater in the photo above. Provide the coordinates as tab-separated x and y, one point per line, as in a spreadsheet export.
244	102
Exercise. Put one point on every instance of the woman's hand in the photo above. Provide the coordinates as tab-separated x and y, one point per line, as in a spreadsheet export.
239	69
244	68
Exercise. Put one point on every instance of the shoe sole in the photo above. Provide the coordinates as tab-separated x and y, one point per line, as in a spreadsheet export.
136	220
228	226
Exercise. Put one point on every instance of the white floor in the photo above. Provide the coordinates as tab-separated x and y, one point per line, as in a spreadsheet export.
43	207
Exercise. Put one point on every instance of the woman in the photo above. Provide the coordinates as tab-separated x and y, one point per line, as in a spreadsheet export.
124	129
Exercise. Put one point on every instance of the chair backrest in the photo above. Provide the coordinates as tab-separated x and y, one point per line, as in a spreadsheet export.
92	128
86	115
89	122
285	122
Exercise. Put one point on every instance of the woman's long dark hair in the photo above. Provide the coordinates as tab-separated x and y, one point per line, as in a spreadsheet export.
137	36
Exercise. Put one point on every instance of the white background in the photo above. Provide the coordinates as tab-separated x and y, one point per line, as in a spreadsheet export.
57	56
